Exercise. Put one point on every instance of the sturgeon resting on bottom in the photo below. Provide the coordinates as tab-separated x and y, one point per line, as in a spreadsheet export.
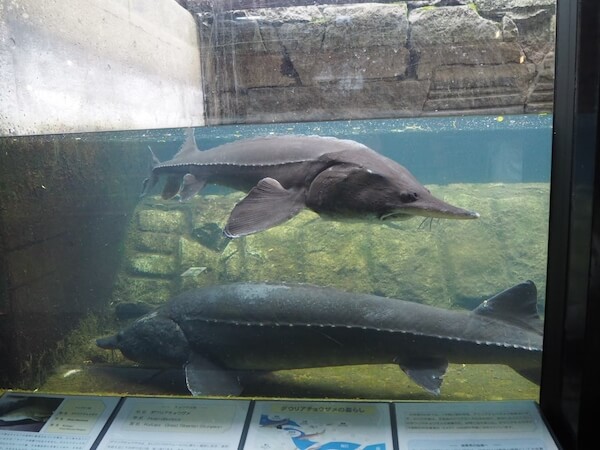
219	333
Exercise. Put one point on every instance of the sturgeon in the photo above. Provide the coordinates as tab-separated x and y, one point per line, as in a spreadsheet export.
339	178
222	332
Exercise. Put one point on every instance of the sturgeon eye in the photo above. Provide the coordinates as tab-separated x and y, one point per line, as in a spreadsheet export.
408	197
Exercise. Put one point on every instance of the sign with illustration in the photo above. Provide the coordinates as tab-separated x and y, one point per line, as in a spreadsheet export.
43	421
320	425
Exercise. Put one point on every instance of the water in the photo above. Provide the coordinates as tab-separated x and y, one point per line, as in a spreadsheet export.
79	242
437	150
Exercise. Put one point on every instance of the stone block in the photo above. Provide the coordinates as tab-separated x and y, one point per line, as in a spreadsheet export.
153	291
464	77
541	96
303	37
535	22
351	66
161	221
153	265
250	36
232	263
468	87
152	242
513	8
267	30
344	100
450	25
365	25
193	254
260	70
496	53
285	15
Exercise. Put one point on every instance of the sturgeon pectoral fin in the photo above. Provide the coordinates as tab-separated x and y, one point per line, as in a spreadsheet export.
172	186
151	181
190	186
427	373
206	378
148	184
266	205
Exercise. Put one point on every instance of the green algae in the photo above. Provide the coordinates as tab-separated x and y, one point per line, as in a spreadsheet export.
376	382
446	263
442	263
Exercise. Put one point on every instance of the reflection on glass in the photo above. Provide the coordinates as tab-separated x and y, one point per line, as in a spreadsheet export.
305	243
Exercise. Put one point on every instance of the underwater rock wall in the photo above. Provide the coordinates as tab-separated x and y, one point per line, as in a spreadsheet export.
328	61
71	66
175	246
65	202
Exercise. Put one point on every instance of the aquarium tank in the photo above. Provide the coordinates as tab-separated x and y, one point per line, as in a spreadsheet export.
275	198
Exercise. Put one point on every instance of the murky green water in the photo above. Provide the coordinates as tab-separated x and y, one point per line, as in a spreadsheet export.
497	166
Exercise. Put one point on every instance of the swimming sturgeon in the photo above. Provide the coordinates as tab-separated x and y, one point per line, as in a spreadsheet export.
284	174
220	333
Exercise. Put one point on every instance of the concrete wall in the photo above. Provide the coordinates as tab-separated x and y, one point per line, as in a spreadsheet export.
97	65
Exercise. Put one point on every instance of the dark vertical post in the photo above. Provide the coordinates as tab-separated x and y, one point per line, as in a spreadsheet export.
570	335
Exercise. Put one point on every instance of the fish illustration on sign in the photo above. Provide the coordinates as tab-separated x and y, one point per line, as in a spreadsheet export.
217	333
282	175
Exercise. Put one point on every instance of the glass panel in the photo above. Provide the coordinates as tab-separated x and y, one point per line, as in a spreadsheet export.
369	178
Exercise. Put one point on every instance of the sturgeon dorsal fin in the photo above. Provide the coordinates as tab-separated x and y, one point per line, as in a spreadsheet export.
188	148
516	305
172	186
